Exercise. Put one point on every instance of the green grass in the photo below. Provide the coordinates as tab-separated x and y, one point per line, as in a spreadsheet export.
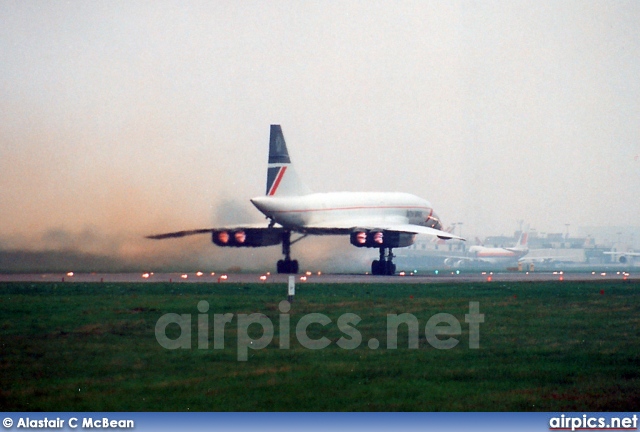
556	346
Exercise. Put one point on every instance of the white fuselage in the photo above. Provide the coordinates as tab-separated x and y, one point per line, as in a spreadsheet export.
496	255
347	209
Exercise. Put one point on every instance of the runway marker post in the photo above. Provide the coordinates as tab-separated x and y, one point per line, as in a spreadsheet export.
292	288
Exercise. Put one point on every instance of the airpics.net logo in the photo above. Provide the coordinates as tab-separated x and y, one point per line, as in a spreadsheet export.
440	331
587	422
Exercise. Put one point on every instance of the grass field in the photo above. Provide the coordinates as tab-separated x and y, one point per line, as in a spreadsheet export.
553	346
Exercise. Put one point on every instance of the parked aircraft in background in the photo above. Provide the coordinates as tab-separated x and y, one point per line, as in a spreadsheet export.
383	220
492	255
623	257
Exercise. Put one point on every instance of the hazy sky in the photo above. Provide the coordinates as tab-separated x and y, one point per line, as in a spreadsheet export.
121	119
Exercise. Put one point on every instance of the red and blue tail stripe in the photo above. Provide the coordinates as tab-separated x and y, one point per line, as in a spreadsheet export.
274	177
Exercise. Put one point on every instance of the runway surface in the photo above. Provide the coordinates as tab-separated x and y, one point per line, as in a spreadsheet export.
424	278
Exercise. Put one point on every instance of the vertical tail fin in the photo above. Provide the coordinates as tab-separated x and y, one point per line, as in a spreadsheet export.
522	241
282	178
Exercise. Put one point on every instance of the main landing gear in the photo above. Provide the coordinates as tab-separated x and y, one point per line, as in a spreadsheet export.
384	266
287	265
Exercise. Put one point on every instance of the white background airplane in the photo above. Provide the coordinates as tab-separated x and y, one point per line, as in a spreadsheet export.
623	257
383	220
493	255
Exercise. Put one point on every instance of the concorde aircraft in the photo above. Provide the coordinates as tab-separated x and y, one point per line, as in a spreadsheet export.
382	220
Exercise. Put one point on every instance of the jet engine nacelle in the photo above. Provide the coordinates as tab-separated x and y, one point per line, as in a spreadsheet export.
247	237
623	259
454	262
381	238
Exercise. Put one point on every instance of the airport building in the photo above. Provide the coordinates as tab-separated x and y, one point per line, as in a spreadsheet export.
593	246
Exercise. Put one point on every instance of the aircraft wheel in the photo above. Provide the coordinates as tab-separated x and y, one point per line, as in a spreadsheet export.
294	267
386	268
281	267
376	268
